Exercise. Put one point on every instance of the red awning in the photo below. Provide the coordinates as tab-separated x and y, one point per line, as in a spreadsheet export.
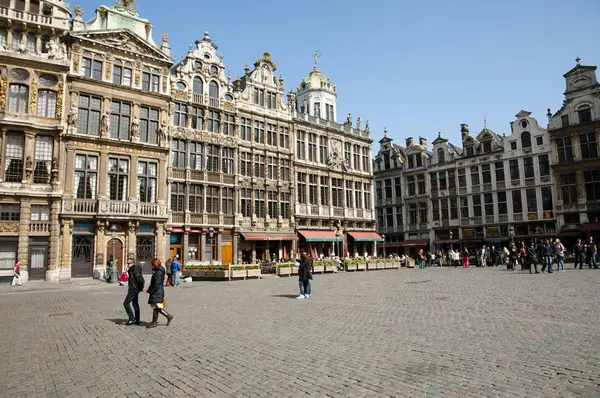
415	243
365	236
318	236
177	230
269	236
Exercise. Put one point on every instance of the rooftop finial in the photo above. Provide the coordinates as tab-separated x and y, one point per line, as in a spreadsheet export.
385	132
206	36
316	56
439	134
127	4
484	122
578	60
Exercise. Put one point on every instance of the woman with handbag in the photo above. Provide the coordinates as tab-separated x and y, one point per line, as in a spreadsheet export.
157	294
16	275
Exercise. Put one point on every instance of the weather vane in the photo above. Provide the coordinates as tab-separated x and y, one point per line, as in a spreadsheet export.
316	56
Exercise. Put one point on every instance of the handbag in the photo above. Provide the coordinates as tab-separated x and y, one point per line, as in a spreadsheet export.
164	303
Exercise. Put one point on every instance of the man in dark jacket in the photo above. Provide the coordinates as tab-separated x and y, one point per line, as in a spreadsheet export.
591	253
157	293
548	255
532	257
578	253
135	284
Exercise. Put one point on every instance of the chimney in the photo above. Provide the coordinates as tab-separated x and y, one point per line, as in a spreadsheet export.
409	142
423	142
464	130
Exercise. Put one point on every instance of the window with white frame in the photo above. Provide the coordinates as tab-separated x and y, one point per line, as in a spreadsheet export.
178	196
147	173
178	153
118	172
259	166
246	202
301	145
337	192
313	180
259	203
180	115
196	156
323	150
214	121
227	201
285	169
284	201
18	98
358	195
149	125
197	118
46	104
212	158
229	124
150	80
324	185
271	134
301	189
43	159
40	213
312	147
227	155
349	194
89	115
245	164
245	128
271	167
86	176
272	204
259	132
10	212
212	200
120	120
284	137
13	157
196	198
122	73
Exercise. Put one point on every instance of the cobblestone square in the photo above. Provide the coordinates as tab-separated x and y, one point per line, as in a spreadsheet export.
436	332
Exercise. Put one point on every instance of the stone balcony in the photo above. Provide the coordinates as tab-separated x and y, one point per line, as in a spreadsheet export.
112	208
39	227
34	19
326	211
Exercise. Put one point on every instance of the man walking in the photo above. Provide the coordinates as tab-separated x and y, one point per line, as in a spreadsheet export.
175	268
578	253
591	253
135	285
532	257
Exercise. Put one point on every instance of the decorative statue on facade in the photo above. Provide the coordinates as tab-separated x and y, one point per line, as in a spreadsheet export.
349	120
367	127
54	170
72	120
56	51
304	106
358	123
135	129
316	110
162	134
346	164
105	124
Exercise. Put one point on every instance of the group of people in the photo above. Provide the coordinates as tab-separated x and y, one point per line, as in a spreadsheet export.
156	291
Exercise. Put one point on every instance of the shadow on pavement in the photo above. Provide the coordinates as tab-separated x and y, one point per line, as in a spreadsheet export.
123	321
290	296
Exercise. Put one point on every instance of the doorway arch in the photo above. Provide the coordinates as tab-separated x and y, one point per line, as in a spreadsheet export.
118	252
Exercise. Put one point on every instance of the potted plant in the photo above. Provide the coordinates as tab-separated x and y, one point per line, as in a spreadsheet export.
252	271
222	272
360	265
372	265
285	269
318	267
238	271
350	265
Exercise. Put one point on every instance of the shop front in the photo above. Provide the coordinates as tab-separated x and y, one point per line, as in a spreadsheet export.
363	243
412	247
320	243
267	246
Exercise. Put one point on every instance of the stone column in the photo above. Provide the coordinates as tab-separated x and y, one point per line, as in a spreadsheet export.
67	236
103	176
38	42
133	173
2	151
101	240
29	156
69	176
186	242
131	243
203	246
576	146
253	253
219	245
9	36
161	191
166	244
23	252
580	180
234	248
558	188
52	273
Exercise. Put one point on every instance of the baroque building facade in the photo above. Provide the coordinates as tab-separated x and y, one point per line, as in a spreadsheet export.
574	130
490	190
33	70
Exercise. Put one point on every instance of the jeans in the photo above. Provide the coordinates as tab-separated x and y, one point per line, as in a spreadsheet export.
579	260
592	261
132	298
305	288
175	280
560	259
548	260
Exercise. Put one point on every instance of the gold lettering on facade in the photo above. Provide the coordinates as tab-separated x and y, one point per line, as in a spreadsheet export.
34	92
59	99
3	85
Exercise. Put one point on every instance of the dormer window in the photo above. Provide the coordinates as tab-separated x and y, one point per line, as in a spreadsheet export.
585	115
386	161
486	146
470	151
419	160
526	139
441	155
411	163
565	120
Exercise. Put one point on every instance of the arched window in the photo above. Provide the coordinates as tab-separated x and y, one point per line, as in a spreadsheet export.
526	139
180	85
441	155
198	86
213	93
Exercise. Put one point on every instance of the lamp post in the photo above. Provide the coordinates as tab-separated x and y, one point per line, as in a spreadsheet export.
211	237
451	241
337	241
113	234
383	244
511	234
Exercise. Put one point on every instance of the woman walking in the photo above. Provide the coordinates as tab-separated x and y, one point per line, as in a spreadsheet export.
466	258
16	280
560	256
157	294
304	276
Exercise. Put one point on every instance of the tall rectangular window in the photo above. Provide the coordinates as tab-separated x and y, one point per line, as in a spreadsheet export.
148	125
245	164
517	202
488	200
120	119
423	212
301	145
592	184
367	191
259	97
212	200
398	187
197	118
245	128
246	202
451	179
399	218
421	184
178	153
547	201
44	145
86	176
259	203
444	182
259	166
312	147
284	137
358	195
412	186
531	200
229	125
337	192
13	162
285	169
502	206
514	169
453	208
178	196
118	172
464	207
349	194
462	178
40	213
435	207
388	188
486	174
284	200
214	121
147	174
379	190
46	104
434	181
348	153
180	115
97	69
544	164
196	198
10	212
324	199
528	167
564	146
588	145
212	158
271	167
475	175
323	150
366	159
476	205
196	155
259	132
88	115
227	206
301	188
272	204
227	155
271	134
499	167
412	213
568	184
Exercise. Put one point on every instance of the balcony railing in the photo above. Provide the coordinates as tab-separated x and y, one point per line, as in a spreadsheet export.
111	207
33	18
197	99
178	174
39	227
518	217
475	188
338	212
214	102
487	187
80	206
464	221
489	219
503	218
500	186
178	218
478	220
462	191
114	207
530	182
197	175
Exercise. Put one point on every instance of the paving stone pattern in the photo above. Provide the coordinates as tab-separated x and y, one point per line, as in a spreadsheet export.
414	333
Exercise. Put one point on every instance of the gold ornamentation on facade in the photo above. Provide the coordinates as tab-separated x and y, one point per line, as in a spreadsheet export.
107	71
9	227
228	106
3	85
181	95
75	62
103	14
33	96
78	11
137	77
59	99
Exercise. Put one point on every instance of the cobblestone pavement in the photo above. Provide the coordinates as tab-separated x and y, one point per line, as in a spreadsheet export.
436	332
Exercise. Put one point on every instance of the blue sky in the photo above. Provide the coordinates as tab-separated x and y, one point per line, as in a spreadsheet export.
415	67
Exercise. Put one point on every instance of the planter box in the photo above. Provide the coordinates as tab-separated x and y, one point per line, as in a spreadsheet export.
287	271
253	273
294	270
350	267
361	267
221	274
396	265
238	273
330	268
318	269
371	266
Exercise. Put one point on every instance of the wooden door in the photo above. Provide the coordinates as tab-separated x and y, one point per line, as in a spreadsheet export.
38	261
118	250
226	253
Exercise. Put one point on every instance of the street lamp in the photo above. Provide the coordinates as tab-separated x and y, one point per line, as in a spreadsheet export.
337	243
211	237
113	234
511	234
451	241
383	244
